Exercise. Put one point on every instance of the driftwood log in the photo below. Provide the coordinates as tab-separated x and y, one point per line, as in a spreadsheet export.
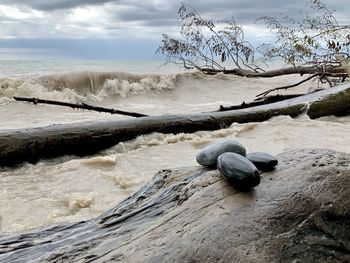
299	213
32	144
329	70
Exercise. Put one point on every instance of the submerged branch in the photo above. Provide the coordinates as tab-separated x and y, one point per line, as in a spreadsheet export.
83	106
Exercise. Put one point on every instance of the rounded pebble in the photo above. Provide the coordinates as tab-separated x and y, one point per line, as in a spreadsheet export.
263	161
238	170
209	155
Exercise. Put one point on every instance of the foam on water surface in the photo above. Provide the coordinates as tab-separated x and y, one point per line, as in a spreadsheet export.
85	86
69	189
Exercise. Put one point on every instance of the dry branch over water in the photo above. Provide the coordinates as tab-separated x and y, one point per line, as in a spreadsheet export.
309	44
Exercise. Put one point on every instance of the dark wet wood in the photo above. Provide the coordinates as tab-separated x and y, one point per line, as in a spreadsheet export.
299	213
33	144
82	106
259	101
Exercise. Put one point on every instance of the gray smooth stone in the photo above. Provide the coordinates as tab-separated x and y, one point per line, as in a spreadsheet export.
209	155
238	170
263	161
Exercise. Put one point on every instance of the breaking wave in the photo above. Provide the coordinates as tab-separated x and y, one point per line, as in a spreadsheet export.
86	85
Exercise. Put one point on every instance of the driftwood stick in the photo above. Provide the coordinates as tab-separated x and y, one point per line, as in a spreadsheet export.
83	106
259	101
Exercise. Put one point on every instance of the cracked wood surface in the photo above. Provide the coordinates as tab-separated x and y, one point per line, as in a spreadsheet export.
299	213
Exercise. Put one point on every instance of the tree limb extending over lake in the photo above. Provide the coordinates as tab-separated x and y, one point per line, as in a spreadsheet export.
308	44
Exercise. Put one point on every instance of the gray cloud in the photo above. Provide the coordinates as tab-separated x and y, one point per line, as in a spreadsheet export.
134	18
124	29
47	5
244	11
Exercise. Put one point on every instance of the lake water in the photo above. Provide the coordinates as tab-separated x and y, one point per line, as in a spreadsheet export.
69	188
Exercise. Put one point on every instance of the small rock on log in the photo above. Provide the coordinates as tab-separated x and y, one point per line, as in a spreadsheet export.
262	161
209	155
238	170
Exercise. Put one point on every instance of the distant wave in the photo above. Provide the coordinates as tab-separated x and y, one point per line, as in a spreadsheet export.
85	85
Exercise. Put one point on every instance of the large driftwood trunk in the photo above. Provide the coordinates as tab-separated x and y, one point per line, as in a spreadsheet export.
301	70
17	146
299	213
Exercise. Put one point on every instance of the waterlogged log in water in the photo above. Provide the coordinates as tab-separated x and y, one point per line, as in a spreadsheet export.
30	145
299	213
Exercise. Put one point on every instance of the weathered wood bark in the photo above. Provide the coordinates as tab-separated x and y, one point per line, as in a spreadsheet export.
32	144
299	213
328	71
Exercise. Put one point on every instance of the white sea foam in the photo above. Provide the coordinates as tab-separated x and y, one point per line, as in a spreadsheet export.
124	88
83	86
10	88
197	139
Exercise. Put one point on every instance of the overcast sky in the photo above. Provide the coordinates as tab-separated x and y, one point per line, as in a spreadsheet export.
121	29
